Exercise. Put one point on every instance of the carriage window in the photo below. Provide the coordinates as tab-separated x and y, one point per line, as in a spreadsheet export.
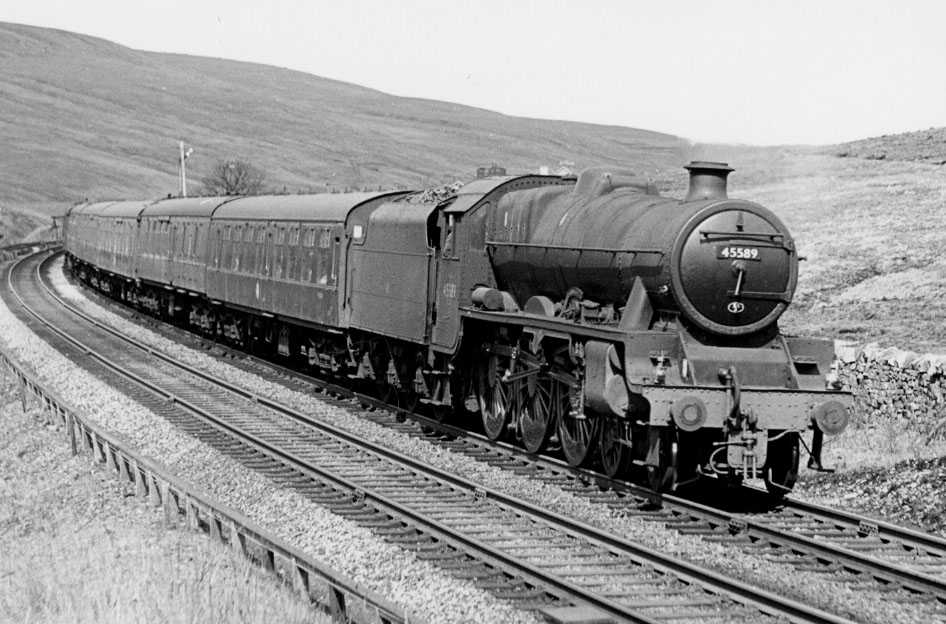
311	266
325	257
295	264
189	235
278	257
279	252
225	248
309	237
267	254
335	251
200	241
258	248
237	245
249	250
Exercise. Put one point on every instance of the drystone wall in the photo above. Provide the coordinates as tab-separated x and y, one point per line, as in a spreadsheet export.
894	384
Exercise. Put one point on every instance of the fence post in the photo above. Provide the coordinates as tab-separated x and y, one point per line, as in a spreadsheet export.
140	489
22	395
170	505
71	427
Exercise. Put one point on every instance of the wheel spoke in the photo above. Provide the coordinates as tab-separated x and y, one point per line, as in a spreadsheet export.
493	397
537	418
577	434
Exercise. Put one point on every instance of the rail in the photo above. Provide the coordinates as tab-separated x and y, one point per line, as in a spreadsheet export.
344	599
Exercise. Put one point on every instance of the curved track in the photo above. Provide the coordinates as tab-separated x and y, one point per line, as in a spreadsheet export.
804	535
810	536
530	555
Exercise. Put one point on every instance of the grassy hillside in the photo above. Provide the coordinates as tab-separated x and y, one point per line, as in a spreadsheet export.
921	146
872	232
83	117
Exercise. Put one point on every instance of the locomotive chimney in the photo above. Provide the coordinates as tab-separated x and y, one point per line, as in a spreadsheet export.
707	180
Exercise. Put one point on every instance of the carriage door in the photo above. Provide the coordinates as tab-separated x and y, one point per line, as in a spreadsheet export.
447	319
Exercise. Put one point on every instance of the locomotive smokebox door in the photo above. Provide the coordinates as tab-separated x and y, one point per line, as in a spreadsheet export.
735	270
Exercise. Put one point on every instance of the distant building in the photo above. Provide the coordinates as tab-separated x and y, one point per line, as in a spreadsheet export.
492	170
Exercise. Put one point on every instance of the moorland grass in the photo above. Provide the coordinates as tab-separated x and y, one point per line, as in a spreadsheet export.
77	546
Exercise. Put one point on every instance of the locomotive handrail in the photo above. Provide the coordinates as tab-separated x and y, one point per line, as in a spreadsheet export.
578	249
776	239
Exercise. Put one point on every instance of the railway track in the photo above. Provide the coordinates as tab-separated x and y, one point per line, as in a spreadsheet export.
529	555
804	535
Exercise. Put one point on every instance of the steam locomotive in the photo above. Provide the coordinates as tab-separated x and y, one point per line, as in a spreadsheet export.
589	316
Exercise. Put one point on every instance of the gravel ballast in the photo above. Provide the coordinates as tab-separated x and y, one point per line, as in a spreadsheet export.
832	592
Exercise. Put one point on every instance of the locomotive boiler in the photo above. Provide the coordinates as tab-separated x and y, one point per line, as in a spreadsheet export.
588	316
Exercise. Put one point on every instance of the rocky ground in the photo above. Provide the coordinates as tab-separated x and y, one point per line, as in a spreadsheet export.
910	493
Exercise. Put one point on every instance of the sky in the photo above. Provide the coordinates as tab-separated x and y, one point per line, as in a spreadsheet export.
738	71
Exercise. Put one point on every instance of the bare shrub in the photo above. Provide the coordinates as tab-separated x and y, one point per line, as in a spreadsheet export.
233	177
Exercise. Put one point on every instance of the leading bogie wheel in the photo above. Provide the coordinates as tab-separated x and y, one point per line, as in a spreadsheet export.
662	475
614	447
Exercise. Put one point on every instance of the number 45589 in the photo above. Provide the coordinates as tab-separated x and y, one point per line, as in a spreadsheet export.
732	252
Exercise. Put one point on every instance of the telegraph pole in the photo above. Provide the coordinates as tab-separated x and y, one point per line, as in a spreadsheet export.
183	157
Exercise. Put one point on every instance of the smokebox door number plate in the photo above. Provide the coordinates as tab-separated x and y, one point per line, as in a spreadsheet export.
734	252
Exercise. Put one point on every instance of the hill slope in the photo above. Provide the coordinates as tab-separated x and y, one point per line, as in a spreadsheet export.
83	117
921	146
